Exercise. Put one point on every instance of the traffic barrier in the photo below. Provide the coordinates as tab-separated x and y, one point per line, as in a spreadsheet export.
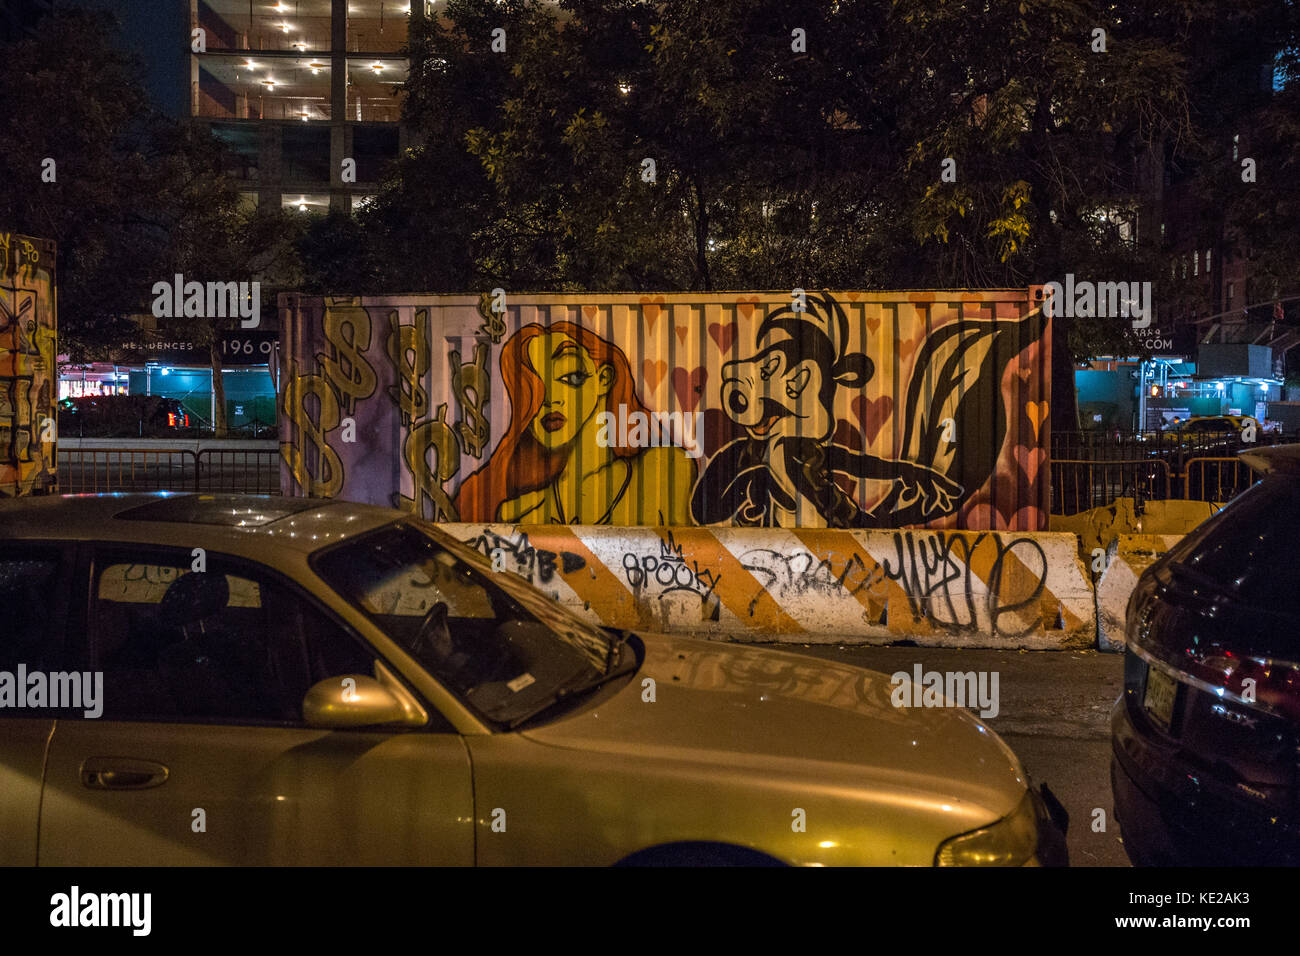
1129	555
937	588
1100	527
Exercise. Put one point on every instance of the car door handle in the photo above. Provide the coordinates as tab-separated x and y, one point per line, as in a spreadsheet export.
122	773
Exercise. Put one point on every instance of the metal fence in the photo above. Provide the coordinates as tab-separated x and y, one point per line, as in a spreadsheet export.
1216	479
1173	447
1092	469
215	470
1077	484
1081	485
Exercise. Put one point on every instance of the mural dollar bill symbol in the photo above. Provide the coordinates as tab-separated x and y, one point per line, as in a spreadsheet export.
432	435
472	385
347	330
326	477
494	324
408	350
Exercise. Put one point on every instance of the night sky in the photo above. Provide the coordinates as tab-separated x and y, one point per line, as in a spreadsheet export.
155	31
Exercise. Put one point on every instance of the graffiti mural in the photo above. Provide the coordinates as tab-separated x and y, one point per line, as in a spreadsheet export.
28	365
779	410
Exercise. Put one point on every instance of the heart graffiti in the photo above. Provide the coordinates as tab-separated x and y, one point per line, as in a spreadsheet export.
872	415
689	387
723	335
653	372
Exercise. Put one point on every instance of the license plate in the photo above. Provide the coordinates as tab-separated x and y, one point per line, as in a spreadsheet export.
1159	697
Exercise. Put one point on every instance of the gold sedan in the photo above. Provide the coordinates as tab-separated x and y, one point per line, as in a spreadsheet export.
200	679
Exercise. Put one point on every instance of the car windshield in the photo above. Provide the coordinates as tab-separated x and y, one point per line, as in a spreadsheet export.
491	639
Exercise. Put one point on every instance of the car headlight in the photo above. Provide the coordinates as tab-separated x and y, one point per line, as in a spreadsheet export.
1009	842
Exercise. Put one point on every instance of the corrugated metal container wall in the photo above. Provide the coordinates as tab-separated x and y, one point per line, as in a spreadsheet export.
29	378
840	409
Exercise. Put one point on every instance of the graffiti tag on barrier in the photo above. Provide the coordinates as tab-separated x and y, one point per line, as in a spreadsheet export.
934	569
537	564
674	574
803	571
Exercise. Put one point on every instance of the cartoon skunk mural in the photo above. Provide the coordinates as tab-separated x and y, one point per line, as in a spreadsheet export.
783	472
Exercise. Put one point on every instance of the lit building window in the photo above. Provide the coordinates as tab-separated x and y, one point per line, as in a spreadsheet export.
306	203
266	88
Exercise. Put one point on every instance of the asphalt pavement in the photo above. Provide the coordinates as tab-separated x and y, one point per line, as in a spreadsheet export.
1054	712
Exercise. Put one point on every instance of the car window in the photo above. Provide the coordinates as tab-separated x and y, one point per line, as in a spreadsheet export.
1247	550
29	598
492	640
226	644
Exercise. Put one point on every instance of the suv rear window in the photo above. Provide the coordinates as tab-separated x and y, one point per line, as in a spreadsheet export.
1248	549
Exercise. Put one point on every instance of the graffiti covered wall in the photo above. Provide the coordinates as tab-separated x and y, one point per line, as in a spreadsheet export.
851	410
28	365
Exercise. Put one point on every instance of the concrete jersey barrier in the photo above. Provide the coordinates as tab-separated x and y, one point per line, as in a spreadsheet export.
1129	555
937	588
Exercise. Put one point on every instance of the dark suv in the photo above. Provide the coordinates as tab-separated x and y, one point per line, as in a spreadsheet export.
1206	736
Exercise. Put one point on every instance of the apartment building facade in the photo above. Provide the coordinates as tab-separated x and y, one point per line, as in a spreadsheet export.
297	88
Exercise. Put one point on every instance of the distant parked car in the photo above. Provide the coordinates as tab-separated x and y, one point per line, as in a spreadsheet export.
121	416
1228	426
1206	735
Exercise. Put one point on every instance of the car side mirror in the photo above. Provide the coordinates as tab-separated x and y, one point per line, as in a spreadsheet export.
352	700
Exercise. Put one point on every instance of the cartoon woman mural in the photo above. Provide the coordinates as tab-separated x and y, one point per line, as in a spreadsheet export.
556	464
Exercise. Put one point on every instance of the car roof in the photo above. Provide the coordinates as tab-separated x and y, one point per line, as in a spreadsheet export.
238	523
1274	459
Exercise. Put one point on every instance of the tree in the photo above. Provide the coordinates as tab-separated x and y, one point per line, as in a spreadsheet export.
211	237
805	144
74	164
130	196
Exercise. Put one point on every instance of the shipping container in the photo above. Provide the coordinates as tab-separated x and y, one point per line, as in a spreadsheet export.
29	377
768	409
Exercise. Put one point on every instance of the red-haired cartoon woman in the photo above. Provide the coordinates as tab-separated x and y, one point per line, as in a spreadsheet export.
560	460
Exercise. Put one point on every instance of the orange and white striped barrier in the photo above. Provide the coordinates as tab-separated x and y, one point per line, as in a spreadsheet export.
938	588
1128	556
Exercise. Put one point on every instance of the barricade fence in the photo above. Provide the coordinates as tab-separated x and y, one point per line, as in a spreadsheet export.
1076	484
215	470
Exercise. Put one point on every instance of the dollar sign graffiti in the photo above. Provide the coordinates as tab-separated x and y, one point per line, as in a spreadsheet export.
326	478
406	393
494	325
347	330
472	386
437	435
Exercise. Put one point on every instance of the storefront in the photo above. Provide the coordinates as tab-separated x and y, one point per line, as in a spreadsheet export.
180	368
1160	392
